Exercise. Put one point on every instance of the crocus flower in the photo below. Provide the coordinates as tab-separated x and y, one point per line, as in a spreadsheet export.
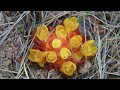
42	32
56	43
65	53
88	48
71	24
68	68
60	31
36	56
50	56
76	41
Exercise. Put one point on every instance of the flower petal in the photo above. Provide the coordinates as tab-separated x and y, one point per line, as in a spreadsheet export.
65	53
74	23
71	24
42	32
76	41
60	31
37	57
78	55
68	68
88	48
51	56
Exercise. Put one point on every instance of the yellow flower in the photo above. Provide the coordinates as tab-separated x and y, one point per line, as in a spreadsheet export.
65	53
42	32
76	41
78	55
36	56
71	24
88	48
56	43
68	68
51	56
60	31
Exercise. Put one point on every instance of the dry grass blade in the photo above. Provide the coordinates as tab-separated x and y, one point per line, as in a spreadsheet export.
8	71
25	53
26	72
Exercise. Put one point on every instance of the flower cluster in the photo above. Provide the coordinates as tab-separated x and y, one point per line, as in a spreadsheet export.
63	48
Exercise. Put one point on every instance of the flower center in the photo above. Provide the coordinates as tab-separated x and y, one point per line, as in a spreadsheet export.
65	53
56	43
51	57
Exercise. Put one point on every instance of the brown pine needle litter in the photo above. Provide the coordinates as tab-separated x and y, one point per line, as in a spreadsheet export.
16	28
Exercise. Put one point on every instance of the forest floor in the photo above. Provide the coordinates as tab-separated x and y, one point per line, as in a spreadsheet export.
15	34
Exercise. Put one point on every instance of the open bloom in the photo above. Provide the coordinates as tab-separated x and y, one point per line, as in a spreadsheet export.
42	32
88	48
36	56
71	24
50	56
56	43
68	68
76	41
65	53
60	31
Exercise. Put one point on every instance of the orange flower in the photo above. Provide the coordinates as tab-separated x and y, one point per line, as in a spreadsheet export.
60	31
71	24
56	43
88	48
51	56
42	32
65	53
76	41
36	56
68	68
56	49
